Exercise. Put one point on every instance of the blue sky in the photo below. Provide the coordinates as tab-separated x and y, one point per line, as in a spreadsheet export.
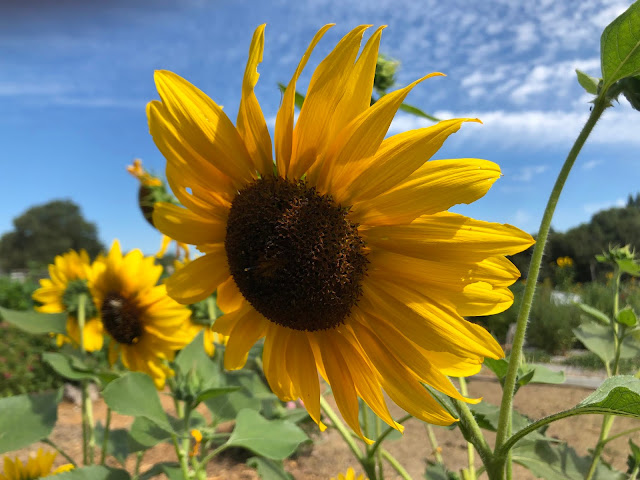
75	77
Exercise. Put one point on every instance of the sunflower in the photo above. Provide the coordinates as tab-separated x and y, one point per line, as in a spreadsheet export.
60	293
36	466
342	254
145	326
350	475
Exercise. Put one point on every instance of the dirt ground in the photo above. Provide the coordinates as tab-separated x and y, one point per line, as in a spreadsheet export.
329	455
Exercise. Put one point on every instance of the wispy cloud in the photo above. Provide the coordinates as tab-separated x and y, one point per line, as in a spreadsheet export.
20	89
591	164
527	173
98	102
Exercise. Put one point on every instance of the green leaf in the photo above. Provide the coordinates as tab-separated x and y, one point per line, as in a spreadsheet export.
36	323
558	462
487	415
439	472
25	419
145	434
117	444
627	317
160	468
64	366
405	107
299	98
269	469
619	395
543	374
94	472
193	356
135	394
598	339
250	395
274	439
589	83
594	313
629	266
527	373
499	367
620	46
215	392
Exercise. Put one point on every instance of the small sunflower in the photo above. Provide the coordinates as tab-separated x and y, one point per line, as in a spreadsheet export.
350	475
342	255
60	293
145	325
38	466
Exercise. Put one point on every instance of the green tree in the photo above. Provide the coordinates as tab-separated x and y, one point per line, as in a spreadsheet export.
44	231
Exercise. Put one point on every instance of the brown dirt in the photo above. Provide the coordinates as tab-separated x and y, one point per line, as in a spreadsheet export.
329	455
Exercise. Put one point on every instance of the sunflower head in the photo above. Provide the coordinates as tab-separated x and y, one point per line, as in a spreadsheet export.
37	466
343	254
145	326
63	291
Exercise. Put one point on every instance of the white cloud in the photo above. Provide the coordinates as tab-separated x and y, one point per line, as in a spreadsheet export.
527	173
592	208
14	89
522	219
591	164
526	36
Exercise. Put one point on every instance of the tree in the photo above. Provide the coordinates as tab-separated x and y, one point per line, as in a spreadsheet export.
44	231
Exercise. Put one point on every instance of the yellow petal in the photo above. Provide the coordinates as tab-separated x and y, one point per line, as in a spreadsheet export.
323	95
199	278
190	160
205	127
229	297
480	298
398	157
251	124
185	226
243	336
227	322
449	235
284	118
274	356
433	188
348	155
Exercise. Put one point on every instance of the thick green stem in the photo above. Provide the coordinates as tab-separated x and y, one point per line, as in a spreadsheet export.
496	471
607	423
342	429
182	457
395	464
105	438
472	432
88	438
471	470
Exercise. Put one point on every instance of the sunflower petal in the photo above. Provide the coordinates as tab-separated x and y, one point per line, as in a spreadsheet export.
229	297
199	278
284	118
433	188
251	124
243	336
275	360
185	226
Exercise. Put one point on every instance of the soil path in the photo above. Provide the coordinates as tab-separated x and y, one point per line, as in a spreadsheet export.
329	455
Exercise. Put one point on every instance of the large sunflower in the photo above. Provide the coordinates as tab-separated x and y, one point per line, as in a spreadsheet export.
38	466
59	293
146	327
342	254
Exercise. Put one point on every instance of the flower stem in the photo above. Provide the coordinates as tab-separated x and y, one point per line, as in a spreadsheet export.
471	470
395	464
496	471
60	451
326	408
472	433
607	423
182	457
434	443
105	438
88	438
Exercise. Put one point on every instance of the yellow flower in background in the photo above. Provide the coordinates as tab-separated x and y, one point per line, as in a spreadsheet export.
68	279
144	324
151	191
564	262
38	466
350	475
342	255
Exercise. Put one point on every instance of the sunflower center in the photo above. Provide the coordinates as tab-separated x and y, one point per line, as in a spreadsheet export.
121	318
294	254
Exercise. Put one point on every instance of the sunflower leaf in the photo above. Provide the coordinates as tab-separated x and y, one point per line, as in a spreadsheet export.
589	83
274	439
25	419
135	394
170	469
620	47
269	469
64	367
34	322
193	357
594	313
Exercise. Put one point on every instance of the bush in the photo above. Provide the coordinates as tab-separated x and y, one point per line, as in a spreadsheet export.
21	367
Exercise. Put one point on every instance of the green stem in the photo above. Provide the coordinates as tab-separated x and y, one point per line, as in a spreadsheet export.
211	309
379	455
471	471
60	451
136	471
105	438
213	453
182	457
434	443
607	423
497	470
634	473
342	429
395	464
622	434
88	439
386	433
472	433
87	414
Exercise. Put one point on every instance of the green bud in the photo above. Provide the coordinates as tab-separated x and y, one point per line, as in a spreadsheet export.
148	196
71	295
627	317
385	73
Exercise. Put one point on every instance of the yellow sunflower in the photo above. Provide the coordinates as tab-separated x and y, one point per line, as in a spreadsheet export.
145	326
37	466
343	254
350	475
60	293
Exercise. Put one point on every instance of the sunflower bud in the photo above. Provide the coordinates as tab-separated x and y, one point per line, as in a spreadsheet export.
152	190
385	73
